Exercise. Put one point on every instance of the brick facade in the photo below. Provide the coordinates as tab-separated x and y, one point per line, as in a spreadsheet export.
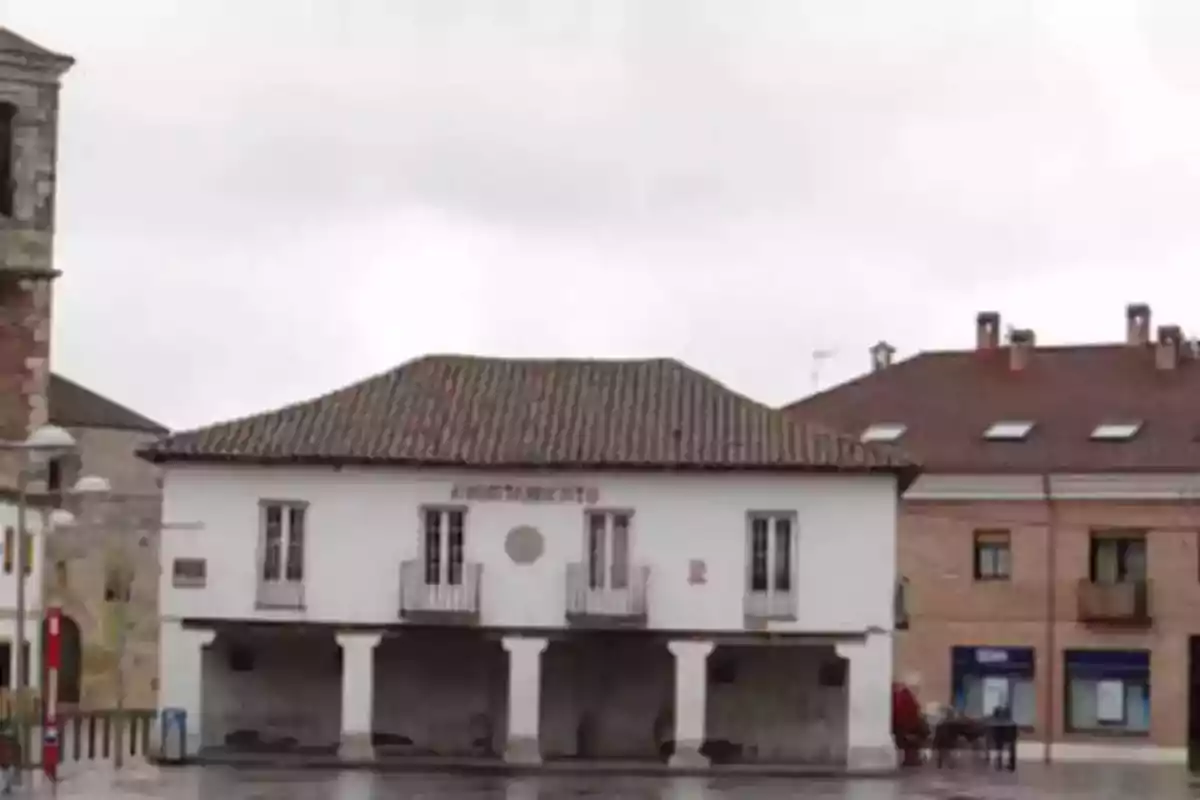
948	607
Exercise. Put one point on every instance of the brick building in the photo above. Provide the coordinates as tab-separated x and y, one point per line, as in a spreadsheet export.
1049	557
73	567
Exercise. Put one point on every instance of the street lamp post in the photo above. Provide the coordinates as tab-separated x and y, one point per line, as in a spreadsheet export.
42	444
52	648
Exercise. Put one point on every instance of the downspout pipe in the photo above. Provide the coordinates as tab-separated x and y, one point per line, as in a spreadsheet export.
1051	608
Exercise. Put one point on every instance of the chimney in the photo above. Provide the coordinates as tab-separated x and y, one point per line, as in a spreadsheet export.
1137	324
881	356
1021	343
987	330
1169	348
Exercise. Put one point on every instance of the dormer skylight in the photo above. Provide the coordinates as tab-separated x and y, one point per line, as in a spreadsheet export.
1008	431
883	432
1115	431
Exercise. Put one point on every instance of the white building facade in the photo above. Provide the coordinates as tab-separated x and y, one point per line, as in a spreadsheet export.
684	614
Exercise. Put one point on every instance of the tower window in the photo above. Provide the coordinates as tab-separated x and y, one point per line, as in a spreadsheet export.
8	158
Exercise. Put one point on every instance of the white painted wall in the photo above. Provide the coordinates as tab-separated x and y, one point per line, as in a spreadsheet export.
33	591
8	581
363	523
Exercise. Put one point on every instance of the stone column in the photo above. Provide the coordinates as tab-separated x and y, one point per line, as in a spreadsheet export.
524	698
869	744
691	698
181	677
358	694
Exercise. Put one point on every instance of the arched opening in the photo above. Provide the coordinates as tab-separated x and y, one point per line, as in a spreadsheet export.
70	668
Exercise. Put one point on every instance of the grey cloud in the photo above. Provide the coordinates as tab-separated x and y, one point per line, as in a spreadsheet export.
291	193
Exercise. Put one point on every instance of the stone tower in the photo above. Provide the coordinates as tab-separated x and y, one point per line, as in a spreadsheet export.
29	83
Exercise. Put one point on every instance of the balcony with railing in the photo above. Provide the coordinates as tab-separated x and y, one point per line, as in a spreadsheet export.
770	604
1118	603
280	594
446	595
621	600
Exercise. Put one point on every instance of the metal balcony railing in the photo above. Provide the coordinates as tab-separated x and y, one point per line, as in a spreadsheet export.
624	598
1121	603
280	594
771	604
454	592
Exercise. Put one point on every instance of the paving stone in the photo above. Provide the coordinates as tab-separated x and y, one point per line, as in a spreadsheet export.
1032	783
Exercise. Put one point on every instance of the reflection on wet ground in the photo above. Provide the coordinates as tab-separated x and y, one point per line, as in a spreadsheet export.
1029	783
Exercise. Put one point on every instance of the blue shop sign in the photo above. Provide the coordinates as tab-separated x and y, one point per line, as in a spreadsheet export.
983	659
1100	664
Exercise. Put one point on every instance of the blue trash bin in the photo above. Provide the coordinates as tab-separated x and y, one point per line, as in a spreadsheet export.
174	735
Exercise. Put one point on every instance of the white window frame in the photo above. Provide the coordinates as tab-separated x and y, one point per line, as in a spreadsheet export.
443	571
286	509
611	578
773	518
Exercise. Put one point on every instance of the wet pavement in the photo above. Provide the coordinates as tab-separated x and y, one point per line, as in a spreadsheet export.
223	783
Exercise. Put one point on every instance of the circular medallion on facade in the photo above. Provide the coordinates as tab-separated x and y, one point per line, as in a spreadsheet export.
524	544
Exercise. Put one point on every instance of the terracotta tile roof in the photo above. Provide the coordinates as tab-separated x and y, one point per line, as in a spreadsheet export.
948	399
450	410
73	406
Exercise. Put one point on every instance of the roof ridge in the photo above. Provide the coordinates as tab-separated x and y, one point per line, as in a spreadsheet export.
550	359
855	381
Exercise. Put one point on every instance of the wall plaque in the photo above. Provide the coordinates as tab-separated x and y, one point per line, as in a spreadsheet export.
697	572
510	493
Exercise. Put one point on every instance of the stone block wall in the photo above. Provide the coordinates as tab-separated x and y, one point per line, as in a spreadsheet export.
29	88
84	575
112	535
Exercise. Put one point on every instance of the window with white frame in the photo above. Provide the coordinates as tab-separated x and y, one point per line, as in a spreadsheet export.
283	525
772	551
442	545
608	549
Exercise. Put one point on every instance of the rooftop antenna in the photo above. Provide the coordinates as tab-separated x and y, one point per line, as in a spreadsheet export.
819	357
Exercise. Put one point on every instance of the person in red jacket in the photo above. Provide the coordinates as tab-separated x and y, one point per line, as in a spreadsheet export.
910	731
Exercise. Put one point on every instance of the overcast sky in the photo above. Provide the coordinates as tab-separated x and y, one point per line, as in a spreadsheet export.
262	200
